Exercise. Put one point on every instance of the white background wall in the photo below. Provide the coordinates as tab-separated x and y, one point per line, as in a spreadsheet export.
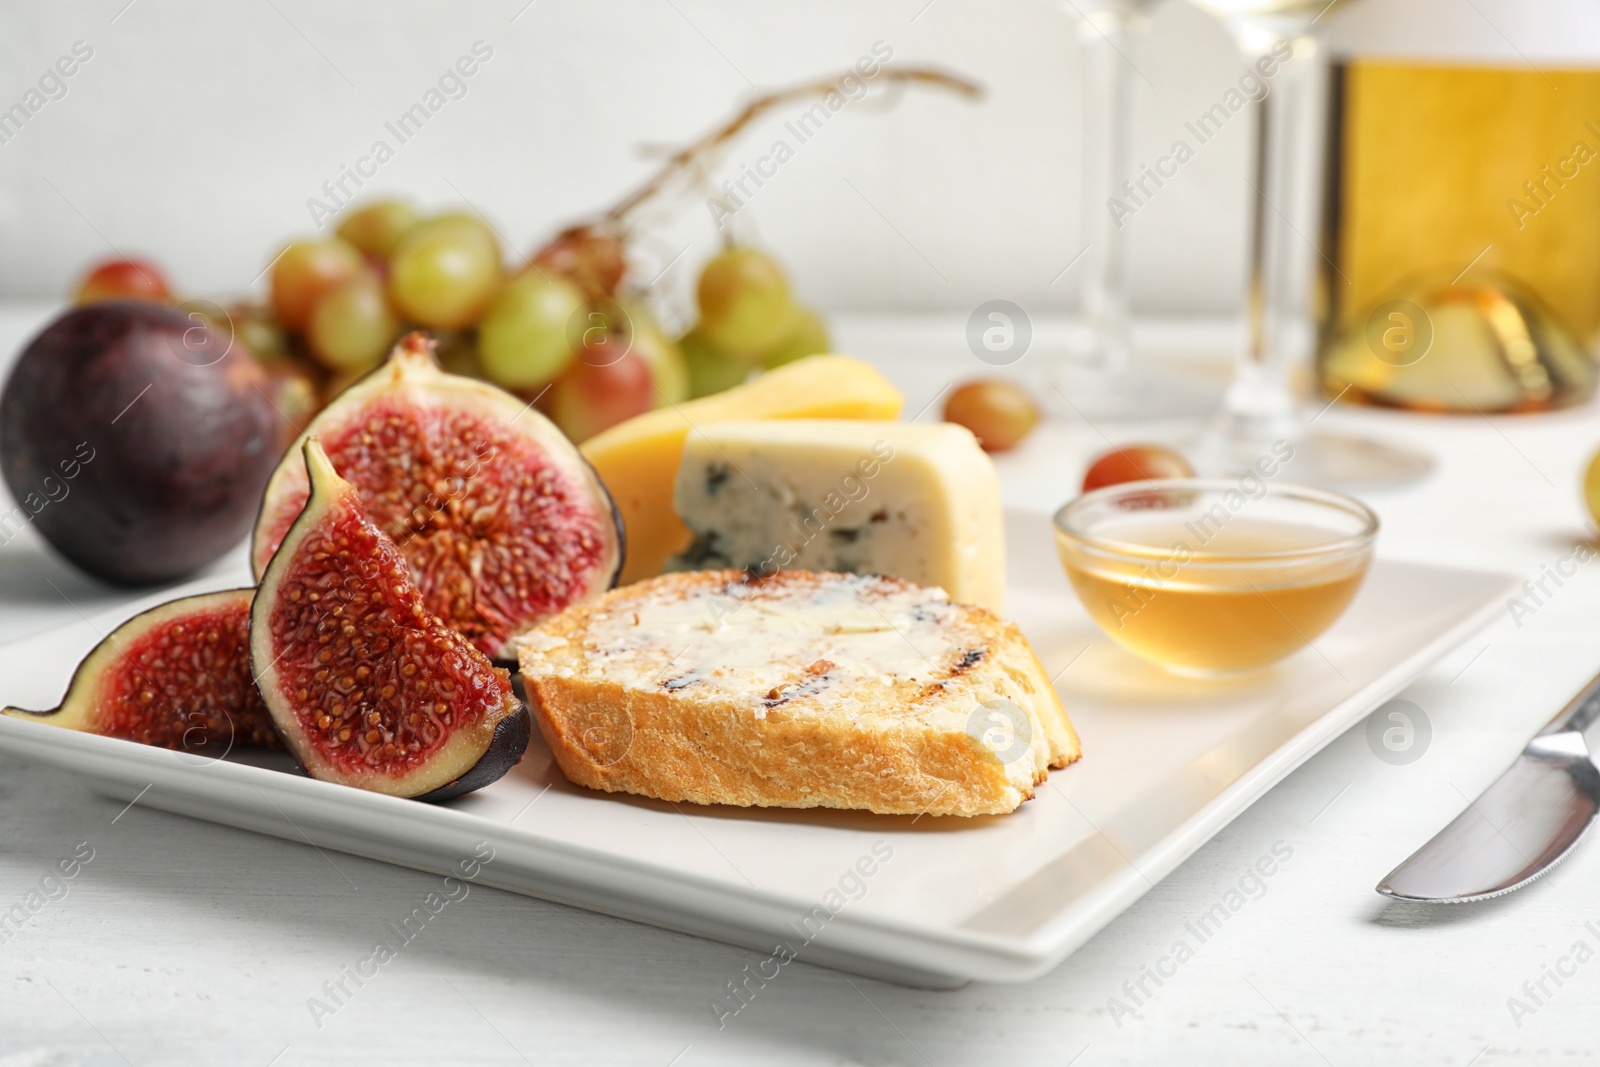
198	130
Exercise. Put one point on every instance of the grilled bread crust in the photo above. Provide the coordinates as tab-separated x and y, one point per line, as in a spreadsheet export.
802	689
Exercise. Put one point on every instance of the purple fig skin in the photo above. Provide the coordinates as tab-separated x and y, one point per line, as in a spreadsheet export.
505	751
616	522
138	438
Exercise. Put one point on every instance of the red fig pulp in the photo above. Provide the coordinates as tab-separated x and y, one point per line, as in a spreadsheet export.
367	687
177	676
500	519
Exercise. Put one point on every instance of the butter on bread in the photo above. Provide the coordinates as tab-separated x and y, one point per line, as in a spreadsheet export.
800	689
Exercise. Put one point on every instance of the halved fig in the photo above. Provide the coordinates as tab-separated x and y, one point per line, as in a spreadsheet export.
502	521
177	676
366	686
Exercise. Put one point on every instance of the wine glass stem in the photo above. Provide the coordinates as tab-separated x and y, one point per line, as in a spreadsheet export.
1278	334
1106	34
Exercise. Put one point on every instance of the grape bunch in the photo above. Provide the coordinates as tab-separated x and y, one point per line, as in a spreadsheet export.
560	330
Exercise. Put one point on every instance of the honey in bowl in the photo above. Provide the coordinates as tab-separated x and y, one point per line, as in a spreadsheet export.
1215	577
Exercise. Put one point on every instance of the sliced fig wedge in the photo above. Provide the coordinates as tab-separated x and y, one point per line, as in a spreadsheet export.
367	687
176	676
501	520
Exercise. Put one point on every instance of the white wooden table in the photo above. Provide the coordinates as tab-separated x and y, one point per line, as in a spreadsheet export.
181	942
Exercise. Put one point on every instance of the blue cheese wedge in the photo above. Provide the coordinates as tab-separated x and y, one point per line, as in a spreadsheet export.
917	502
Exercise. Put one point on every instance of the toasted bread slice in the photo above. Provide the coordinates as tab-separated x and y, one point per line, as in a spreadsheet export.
801	689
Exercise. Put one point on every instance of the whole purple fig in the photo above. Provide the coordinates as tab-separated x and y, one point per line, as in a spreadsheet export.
136	438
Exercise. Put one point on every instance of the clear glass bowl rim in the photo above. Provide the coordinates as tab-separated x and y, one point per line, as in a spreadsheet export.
1325	498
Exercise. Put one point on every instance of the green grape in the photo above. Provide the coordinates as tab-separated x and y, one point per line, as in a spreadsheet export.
352	327
465	222
378	226
1000	414
261	334
710	369
807	337
744	301
522	340
306	270
444	272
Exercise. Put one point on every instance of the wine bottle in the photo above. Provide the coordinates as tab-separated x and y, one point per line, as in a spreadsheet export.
1461	206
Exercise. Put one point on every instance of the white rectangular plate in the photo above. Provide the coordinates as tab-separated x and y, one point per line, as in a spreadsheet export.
928	901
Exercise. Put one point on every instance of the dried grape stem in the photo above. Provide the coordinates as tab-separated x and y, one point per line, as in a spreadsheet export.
696	152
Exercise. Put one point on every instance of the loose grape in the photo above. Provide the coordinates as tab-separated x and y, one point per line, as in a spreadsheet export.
522	340
1000	414
710	370
123	279
595	262
444	272
1591	487
352	327
808	336
744	301
305	271
593	396
1135	463
378	226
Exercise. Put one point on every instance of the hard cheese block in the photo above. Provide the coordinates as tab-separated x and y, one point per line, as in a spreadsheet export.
918	502
638	458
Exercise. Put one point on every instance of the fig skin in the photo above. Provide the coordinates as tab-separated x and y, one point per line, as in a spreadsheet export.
505	751
451	769
139	440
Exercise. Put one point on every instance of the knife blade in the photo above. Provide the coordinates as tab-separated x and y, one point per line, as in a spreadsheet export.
1526	822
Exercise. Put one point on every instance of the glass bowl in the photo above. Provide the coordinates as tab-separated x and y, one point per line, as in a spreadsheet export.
1213	577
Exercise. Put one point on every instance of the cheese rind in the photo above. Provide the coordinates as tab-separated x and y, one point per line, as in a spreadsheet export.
914	501
637	459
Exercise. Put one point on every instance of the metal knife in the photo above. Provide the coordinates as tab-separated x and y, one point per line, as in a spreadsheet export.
1523	824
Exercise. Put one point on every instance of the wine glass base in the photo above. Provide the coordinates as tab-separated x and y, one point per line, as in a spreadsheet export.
1311	457
1125	396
